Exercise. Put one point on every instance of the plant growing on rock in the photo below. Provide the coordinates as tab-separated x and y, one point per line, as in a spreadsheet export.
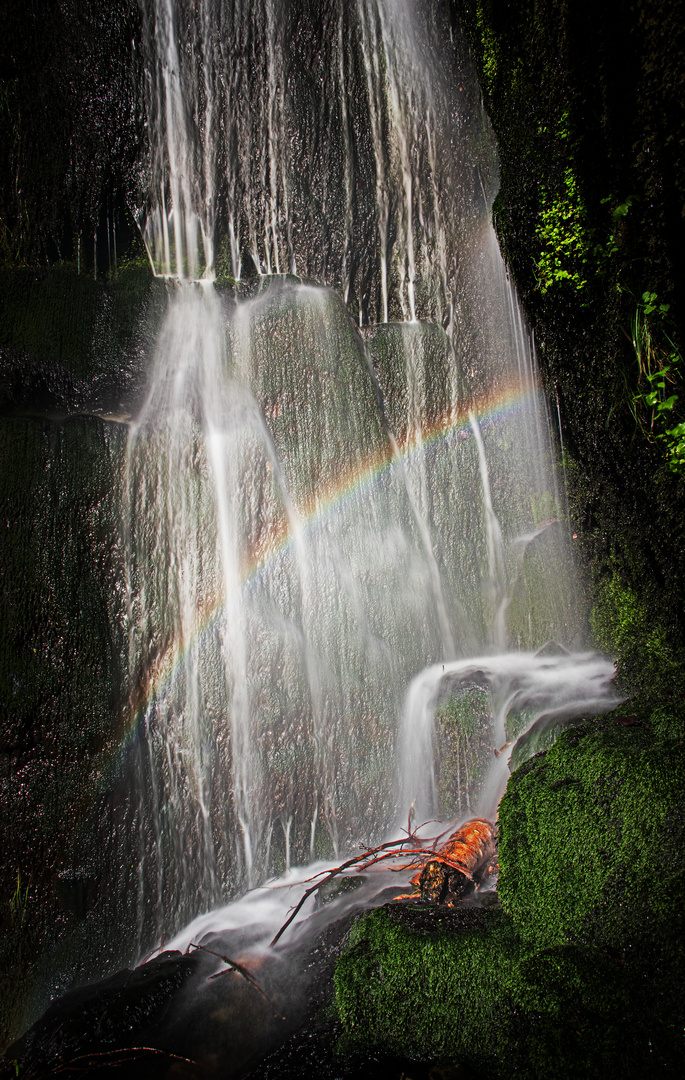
653	404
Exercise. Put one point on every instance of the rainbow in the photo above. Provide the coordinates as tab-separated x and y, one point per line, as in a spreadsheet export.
123	738
331	500
337	493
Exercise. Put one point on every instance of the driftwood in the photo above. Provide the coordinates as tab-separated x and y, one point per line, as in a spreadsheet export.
464	856
461	861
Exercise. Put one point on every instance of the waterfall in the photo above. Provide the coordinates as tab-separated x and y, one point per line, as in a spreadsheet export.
321	517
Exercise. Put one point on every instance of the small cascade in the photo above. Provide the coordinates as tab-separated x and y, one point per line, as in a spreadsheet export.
495	580
547	689
340	486
182	107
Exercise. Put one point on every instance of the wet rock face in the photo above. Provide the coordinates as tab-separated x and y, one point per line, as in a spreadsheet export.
593	180
72	346
71	130
314	149
192	1014
109	1023
62	664
73	363
463	723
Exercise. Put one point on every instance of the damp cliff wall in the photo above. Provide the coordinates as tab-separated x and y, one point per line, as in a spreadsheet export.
71	125
587	104
71	131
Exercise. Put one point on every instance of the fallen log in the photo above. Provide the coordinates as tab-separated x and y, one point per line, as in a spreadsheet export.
462	860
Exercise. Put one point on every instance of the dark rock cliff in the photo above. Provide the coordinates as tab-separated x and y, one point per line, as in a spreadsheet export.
587	104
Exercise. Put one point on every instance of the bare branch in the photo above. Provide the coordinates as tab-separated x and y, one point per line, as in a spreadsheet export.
408	858
233	965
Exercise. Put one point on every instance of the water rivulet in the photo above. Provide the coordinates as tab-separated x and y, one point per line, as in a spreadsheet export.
342	473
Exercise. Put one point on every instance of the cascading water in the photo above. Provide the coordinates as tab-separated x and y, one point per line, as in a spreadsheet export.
317	514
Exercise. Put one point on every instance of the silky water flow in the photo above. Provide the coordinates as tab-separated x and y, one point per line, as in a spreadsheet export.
346	544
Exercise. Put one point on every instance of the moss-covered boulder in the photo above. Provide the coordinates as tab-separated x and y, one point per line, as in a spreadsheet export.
592	836
581	972
471	990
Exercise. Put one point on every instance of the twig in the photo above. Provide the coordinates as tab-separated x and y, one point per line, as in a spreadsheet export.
156	951
370	858
233	965
114	1056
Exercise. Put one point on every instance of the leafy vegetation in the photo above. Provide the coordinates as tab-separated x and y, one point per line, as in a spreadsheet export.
491	52
563	237
654	405
19	903
589	220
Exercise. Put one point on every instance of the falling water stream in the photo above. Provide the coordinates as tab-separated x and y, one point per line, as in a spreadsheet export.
341	486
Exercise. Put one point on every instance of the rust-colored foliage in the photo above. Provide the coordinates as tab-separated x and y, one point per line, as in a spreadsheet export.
461	860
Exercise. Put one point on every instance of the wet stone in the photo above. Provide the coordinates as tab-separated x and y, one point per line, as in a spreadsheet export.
115	1013
430	919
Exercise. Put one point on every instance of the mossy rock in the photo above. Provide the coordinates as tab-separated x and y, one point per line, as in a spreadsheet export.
581	972
52	314
468	989
592	837
71	344
463	748
409	988
622	627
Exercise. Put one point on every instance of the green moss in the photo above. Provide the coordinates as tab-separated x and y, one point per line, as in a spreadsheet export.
413	992
479	995
463	724
581	974
621	627
582	830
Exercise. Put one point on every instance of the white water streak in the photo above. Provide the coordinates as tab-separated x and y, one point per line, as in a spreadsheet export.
559	687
